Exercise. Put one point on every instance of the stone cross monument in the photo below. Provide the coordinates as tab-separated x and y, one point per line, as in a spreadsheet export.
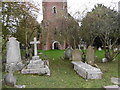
36	65
35	42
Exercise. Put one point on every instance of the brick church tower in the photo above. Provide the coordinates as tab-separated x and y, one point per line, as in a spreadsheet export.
53	11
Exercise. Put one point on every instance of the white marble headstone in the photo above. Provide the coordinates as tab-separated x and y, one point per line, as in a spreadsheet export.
100	49
13	51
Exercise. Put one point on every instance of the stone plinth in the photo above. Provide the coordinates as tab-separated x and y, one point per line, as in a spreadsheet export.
87	71
36	67
35	57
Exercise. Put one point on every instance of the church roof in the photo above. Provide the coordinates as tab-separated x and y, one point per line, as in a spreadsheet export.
54	0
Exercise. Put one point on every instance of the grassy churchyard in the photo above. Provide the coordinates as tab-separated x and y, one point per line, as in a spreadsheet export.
64	76
51	24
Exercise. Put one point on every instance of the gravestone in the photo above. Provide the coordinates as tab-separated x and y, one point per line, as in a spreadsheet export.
112	87
13	51
84	47
115	49
79	47
36	65
13	54
99	49
76	55
10	79
115	80
104	60
68	53
87	71
90	55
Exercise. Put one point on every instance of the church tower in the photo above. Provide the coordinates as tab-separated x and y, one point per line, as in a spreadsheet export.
53	13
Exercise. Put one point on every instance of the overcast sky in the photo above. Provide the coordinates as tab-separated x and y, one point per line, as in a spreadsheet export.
81	5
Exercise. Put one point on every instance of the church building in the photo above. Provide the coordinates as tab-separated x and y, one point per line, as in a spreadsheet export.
55	14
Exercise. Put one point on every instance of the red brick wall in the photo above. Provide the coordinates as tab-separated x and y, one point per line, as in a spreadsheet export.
52	20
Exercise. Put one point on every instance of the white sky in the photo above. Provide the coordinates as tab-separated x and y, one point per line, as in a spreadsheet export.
81	5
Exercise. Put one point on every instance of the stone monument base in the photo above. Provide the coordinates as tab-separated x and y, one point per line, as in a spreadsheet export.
36	66
16	66
87	71
35	57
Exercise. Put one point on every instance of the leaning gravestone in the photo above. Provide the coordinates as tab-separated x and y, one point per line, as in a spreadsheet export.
36	65
13	54
68	53
90	55
76	55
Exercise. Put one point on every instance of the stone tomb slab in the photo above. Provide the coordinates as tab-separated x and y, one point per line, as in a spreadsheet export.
112	87
87	71
36	67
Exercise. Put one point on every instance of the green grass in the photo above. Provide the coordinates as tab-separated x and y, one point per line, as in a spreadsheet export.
64	76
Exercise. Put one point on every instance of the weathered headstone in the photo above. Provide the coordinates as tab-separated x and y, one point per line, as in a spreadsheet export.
10	79
68	53
84	47
79	47
90	55
13	51
36	65
87	71
99	49
115	80
76	55
13	54
104	60
115	49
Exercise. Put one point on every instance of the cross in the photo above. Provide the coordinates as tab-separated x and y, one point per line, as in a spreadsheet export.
35	42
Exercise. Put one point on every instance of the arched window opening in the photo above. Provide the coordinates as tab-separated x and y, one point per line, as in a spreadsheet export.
54	10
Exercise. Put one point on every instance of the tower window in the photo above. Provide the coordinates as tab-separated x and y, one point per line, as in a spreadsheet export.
54	10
